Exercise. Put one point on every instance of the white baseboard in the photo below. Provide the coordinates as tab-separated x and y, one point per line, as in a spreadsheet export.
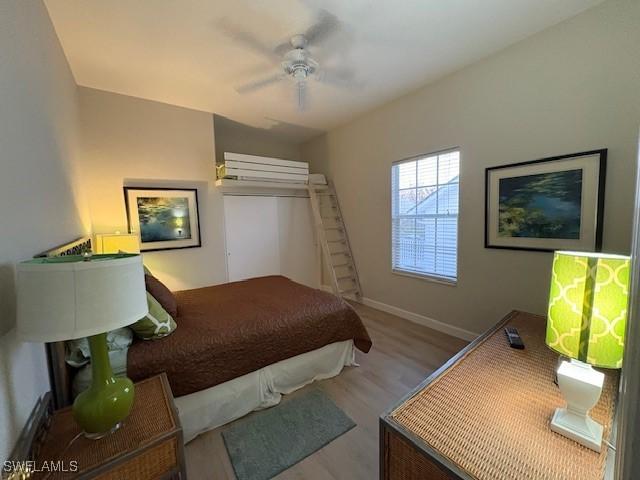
415	317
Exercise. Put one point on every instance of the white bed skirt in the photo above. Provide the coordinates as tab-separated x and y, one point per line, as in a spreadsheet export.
208	409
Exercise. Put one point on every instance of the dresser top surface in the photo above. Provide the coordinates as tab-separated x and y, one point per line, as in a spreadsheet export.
488	411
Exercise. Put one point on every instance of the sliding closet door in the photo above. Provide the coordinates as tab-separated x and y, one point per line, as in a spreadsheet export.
299	259
252	236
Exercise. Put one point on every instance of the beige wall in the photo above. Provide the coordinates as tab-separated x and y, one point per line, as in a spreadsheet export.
236	137
42	206
133	142
128	141
571	88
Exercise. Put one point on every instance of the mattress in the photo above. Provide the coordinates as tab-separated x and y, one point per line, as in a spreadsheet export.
230	330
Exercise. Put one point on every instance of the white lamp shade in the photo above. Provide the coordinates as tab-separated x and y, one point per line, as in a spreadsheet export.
64	298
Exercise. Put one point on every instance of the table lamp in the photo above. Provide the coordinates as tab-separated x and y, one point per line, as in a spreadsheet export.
117	242
586	323
69	297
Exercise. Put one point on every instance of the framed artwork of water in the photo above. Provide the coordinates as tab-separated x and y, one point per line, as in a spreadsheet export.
548	204
165	219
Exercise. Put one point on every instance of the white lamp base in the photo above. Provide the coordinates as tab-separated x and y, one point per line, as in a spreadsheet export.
581	386
582	429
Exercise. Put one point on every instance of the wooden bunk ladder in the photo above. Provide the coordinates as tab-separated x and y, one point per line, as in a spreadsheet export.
334	241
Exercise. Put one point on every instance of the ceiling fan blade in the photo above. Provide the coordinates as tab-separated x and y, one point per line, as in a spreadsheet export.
257	84
338	78
247	39
283	48
326	25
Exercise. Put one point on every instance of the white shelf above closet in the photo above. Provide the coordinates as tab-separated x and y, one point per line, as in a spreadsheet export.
229	184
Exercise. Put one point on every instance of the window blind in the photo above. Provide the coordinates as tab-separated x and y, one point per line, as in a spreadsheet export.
424	215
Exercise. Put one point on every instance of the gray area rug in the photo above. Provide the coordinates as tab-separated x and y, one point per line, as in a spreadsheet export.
270	441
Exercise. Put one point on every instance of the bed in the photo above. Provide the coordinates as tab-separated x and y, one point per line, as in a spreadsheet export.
240	346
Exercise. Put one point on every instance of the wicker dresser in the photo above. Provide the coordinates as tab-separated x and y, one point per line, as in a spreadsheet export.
485	415
148	446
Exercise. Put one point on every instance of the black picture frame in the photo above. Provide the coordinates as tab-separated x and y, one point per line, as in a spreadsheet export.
599	203
192	191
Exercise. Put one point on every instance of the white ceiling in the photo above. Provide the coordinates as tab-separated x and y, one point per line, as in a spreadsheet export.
175	51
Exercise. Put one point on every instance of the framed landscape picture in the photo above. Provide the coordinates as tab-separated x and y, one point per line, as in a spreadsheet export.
164	218
550	204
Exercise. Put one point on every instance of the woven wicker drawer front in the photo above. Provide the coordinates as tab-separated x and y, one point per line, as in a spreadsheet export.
489	413
152	464
146	447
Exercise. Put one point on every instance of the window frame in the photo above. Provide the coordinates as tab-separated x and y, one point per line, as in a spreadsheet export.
430	277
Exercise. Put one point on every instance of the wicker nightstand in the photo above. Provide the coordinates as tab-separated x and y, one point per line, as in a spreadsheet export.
485	415
148	446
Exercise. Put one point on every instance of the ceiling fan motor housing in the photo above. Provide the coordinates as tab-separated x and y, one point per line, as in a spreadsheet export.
298	63
299	42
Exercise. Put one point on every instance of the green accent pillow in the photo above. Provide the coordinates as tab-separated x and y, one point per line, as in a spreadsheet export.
156	324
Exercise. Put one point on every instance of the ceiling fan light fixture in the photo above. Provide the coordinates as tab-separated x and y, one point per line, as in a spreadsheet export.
300	73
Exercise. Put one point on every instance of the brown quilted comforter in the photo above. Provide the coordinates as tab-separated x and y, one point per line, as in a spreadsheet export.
229	330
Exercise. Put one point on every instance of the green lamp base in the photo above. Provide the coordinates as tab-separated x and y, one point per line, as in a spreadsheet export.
101	408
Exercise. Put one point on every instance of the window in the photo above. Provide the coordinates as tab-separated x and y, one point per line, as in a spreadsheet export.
424	215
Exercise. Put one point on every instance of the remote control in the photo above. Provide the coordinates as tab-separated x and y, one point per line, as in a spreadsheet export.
514	338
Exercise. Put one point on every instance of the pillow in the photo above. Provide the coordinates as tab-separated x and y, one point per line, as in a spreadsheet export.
79	354
162	294
156	324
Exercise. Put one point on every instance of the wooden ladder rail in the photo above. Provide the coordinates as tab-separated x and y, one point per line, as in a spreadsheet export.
324	242
354	270
322	238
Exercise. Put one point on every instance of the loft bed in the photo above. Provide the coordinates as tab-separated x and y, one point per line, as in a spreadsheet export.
237	348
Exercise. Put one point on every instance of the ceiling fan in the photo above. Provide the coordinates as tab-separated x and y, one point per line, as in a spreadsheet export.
295	63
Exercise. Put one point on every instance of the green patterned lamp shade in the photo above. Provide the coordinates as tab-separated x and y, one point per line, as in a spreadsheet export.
588	307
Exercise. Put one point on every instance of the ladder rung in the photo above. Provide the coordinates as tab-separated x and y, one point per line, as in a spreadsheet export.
328	219
351	290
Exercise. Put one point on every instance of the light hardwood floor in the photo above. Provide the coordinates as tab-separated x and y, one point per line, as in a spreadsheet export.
403	354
